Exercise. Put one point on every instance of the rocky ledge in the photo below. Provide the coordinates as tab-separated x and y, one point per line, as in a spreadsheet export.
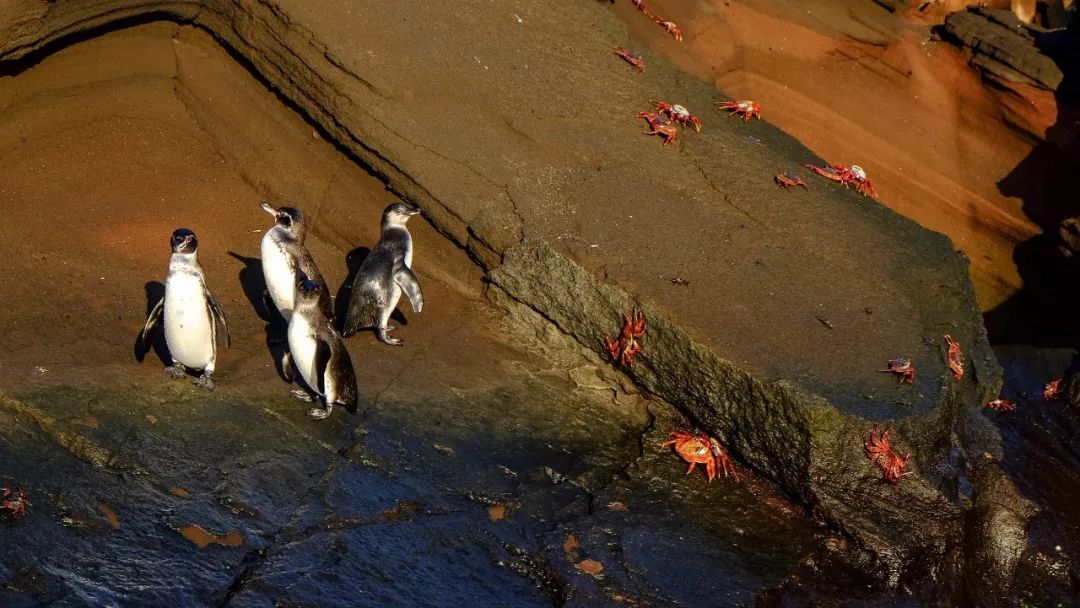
769	312
1004	46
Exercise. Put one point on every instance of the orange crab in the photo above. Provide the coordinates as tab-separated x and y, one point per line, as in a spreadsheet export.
626	346
956	358
660	125
847	177
745	108
632	58
13	503
789	180
678	114
701	449
879	450
670	28
640	5
902	367
1052	390
1001	405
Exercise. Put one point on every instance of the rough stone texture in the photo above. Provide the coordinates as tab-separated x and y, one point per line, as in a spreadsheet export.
512	126
1003	45
998	535
457	484
1069	231
782	429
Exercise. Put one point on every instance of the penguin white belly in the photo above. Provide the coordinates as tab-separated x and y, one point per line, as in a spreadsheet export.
188	326
303	346
280	276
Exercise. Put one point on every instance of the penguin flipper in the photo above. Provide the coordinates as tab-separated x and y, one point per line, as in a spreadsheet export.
152	320
215	309
340	364
406	280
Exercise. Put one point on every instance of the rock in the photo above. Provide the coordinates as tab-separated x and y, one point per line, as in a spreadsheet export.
483	132
1003	45
811	446
997	535
1069	232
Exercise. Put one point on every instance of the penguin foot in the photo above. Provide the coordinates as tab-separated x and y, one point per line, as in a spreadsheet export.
204	381
380	333
175	372
301	394
320	414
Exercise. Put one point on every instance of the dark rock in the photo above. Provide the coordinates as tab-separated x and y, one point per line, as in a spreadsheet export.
811	446
1070	238
1003	45
485	141
996	535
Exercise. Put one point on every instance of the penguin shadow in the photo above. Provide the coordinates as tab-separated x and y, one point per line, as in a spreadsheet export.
253	283
353	261
155	291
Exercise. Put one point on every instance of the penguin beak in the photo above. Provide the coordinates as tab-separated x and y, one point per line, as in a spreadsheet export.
267	207
413	211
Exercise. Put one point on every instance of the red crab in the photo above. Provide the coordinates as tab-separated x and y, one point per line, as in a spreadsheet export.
623	348
632	58
677	113
903	368
1001	405
879	451
745	108
700	449
661	125
670	28
640	5
1052	390
13	503
862	185
789	180
956	358
847	177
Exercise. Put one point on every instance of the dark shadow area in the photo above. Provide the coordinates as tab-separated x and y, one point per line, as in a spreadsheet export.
1040	454
155	291
1044	311
254	285
14	67
353	260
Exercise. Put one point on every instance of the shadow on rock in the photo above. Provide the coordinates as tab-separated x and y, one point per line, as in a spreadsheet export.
254	285
155	291
1043	312
353	261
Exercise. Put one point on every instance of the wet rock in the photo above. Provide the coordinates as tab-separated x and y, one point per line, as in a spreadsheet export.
570	227
794	436
1003	45
1069	231
997	535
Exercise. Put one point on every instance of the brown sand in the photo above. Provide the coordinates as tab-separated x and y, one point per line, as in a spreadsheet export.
860	85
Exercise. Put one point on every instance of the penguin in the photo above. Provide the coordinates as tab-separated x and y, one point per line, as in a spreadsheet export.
384	275
285	260
319	353
190	313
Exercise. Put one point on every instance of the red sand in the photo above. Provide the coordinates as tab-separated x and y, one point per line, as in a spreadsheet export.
860	85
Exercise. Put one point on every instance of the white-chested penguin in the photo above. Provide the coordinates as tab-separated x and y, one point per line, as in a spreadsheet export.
384	275
189	312
286	261
319	353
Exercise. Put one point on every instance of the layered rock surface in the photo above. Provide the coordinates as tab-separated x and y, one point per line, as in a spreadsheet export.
513	127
